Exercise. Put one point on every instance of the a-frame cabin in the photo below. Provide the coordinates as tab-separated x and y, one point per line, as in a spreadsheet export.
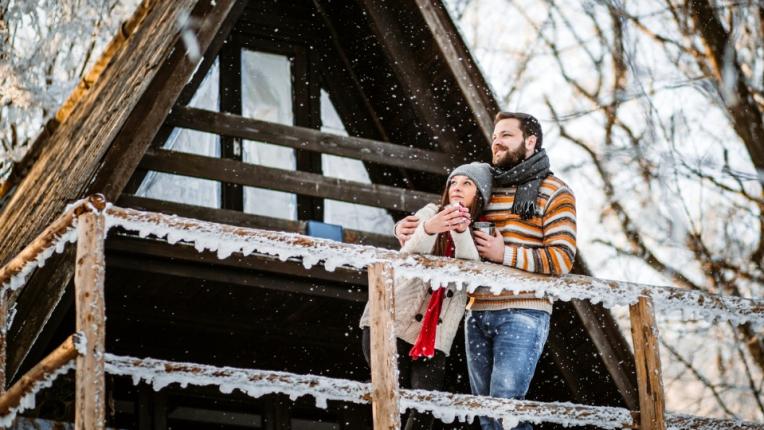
295	111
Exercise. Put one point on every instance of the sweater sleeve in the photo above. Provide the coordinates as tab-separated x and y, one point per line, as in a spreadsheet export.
555	256
464	245
421	242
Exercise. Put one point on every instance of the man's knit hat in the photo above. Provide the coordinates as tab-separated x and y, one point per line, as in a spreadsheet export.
480	173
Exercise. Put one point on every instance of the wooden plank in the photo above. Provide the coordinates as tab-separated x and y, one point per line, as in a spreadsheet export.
310	184
406	63
313	140
3	340
90	397
159	406
473	87
231	217
219	40
30	321
303	286
606	336
133	245
384	365
62	355
644	332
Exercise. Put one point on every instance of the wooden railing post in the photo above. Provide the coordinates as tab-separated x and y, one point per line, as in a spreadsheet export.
4	295
89	295
644	333
384	363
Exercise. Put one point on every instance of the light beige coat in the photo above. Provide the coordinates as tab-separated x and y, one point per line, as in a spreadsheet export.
413	295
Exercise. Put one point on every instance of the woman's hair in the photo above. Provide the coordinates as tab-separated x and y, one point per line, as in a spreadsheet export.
475	210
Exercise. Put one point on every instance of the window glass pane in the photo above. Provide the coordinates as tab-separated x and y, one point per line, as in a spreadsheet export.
206	96
349	215
267	95
266	87
183	189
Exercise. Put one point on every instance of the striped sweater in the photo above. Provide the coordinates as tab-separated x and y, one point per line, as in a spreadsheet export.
545	243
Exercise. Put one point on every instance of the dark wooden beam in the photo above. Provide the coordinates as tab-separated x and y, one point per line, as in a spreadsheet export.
233	276
604	333
306	107
276	414
560	355
395	38
309	184
125	244
229	97
231	217
473	86
312	140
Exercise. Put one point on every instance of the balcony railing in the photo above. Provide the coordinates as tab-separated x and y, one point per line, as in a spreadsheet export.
88	221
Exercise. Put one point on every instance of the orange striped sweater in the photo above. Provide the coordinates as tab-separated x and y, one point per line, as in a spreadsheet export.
545	243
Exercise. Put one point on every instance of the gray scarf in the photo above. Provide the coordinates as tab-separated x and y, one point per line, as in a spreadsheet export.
527	177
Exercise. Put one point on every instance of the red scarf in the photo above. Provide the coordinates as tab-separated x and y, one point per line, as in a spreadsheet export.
425	342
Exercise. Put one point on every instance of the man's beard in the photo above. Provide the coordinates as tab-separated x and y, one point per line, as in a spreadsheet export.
511	158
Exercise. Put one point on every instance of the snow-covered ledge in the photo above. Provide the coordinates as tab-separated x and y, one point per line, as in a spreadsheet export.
225	240
445	406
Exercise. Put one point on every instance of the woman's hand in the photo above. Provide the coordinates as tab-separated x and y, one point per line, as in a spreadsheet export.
450	218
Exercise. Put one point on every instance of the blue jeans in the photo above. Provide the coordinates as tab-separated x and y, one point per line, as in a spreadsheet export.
503	348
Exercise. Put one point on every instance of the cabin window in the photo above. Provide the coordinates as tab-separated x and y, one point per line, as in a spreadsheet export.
348	215
184	189
266	94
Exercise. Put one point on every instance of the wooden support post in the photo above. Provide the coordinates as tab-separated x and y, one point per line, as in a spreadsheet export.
644	333
229	95
3	338
89	296
384	365
276	412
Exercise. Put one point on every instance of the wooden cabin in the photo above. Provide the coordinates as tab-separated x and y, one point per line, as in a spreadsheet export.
330	118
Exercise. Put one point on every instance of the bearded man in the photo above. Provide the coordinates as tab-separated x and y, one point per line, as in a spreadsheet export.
534	213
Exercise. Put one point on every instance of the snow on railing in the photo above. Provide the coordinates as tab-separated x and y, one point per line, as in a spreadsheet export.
445	406
226	240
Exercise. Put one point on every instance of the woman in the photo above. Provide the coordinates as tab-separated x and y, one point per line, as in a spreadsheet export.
426	320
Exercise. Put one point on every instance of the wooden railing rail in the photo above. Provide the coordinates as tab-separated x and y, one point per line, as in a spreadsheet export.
93	217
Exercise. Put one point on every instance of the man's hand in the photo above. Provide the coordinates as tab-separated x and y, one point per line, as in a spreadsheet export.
405	228
490	247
